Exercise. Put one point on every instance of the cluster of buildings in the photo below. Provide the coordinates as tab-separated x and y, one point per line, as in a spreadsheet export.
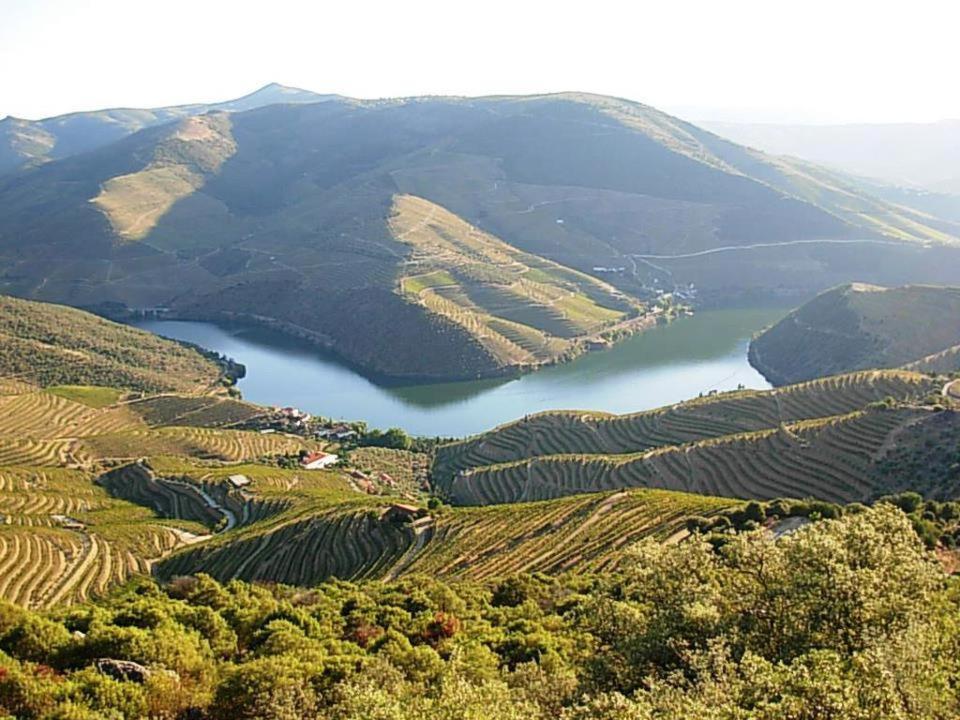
338	432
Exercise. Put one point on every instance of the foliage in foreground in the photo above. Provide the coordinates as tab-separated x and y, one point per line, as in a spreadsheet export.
845	619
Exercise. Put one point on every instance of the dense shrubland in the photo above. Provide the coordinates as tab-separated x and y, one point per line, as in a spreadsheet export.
844	619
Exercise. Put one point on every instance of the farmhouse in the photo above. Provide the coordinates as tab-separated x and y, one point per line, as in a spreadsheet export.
337	432
238	481
318	460
402	513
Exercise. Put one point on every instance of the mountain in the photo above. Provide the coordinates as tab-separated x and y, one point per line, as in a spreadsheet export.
445	238
46	345
921	155
860	326
31	142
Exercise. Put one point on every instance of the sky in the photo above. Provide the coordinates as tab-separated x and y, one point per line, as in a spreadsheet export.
814	61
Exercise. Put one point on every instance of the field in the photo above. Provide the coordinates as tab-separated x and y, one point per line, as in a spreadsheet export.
584	533
200	411
356	542
70	528
408	469
589	433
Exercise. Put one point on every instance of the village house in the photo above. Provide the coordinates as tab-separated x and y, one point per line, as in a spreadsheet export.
387	479
399	512
337	432
238	481
318	460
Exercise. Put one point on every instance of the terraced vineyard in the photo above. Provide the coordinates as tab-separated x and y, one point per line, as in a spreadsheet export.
64	539
201	411
831	459
585	533
553	433
205	443
524	309
342	542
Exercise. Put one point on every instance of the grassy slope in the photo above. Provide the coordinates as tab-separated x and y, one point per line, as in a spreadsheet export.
51	345
859	326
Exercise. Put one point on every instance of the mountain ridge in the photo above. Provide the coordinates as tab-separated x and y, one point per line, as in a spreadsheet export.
284	212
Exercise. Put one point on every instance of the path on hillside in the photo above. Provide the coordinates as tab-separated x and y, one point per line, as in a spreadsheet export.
759	246
231	517
952	390
422	534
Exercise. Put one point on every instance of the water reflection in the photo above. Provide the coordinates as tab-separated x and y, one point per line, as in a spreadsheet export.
665	365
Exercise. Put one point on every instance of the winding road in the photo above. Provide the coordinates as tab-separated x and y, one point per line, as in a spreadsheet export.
758	246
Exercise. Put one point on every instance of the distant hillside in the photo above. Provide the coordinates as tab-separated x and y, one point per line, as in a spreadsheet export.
31	142
46	345
924	155
860	326
298	216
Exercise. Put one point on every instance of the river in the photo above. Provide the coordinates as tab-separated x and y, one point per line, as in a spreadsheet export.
662	366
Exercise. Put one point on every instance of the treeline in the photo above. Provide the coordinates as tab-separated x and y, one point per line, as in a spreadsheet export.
846	619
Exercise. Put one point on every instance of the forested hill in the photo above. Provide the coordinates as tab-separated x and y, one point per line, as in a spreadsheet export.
491	234
862	326
44	345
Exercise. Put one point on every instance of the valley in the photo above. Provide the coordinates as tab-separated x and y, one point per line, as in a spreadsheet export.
439	239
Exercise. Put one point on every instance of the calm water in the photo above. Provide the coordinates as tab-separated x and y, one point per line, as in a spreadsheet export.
665	365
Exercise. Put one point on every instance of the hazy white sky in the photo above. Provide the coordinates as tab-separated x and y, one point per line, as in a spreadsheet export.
769	60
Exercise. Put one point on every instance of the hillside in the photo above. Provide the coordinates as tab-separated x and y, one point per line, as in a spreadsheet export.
841	439
706	418
45	345
25	143
861	326
91	495
309	206
922	155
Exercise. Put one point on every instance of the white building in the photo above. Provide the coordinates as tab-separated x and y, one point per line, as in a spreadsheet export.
318	460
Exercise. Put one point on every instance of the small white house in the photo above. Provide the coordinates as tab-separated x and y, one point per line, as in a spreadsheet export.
238	481
318	460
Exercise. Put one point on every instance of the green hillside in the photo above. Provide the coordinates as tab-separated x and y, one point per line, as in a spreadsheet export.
862	326
309	206
44	345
